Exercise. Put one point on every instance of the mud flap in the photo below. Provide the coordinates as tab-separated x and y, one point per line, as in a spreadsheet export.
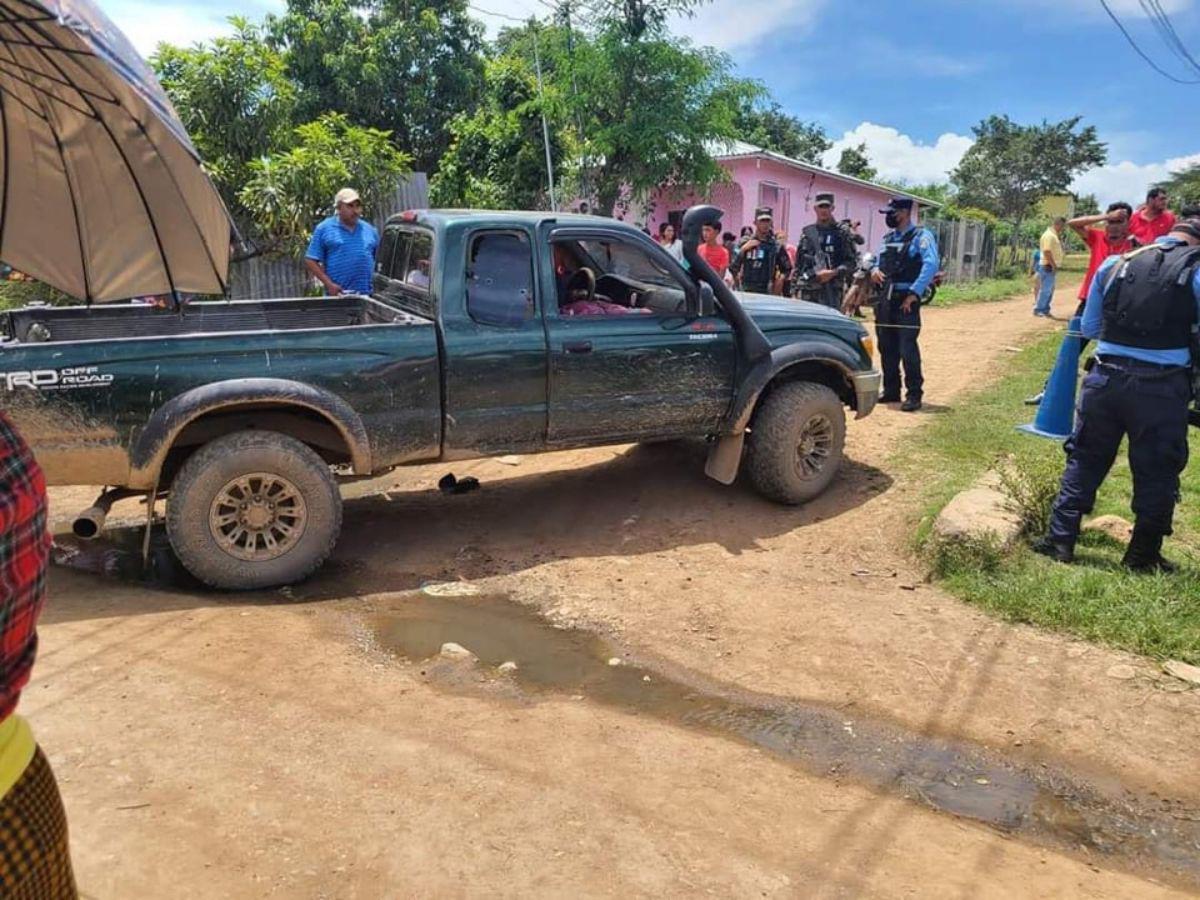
725	457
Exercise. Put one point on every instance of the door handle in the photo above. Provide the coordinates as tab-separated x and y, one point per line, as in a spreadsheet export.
578	347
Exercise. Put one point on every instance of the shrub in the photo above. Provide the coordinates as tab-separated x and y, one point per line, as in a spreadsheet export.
1030	483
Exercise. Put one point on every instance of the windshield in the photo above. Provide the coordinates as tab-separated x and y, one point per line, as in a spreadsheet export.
616	258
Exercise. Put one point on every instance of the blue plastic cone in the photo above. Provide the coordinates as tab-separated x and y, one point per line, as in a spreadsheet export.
1056	413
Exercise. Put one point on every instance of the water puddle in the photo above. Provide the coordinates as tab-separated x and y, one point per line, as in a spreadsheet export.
956	778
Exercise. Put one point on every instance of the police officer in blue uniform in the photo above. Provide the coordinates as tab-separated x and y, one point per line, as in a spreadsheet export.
1144	308
908	262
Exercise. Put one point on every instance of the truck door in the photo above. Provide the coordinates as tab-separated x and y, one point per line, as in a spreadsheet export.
659	371
495	345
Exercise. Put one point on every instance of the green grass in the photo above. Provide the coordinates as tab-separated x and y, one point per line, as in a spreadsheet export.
1096	598
990	290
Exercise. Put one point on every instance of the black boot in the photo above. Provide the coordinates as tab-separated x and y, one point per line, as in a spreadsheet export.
1145	554
1059	551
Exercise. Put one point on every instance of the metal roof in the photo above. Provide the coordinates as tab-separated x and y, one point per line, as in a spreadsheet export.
742	150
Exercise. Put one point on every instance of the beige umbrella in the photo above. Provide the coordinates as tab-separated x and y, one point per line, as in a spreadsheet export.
101	191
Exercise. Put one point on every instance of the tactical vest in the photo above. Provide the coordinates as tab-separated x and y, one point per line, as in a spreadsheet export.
829	246
1148	299
758	268
897	262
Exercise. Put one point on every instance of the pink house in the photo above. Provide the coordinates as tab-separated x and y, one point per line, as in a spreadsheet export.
764	178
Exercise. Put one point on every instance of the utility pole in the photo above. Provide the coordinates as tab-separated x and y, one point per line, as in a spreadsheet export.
537	61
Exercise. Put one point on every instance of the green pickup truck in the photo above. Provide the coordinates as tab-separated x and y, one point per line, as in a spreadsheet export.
486	333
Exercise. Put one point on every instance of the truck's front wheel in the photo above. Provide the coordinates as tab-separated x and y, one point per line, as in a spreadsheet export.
796	442
253	509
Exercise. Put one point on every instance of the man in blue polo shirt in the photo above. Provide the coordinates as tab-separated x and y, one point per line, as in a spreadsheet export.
341	254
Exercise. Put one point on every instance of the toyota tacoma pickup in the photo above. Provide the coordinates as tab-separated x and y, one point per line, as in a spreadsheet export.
486	333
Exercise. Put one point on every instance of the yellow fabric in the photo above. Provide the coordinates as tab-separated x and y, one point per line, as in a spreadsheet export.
16	751
1051	246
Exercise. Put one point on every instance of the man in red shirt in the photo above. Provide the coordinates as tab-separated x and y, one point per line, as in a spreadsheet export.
712	250
1153	220
1111	240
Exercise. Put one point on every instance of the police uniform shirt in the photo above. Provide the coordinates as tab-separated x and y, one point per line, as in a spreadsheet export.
923	245
1093	318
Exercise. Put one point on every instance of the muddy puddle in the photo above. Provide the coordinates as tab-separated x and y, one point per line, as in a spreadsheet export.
957	778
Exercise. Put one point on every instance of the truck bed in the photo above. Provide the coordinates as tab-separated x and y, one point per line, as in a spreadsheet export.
56	324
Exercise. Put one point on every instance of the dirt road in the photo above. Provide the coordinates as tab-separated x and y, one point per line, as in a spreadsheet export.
271	745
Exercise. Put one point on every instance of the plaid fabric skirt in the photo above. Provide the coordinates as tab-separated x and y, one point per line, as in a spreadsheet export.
35	861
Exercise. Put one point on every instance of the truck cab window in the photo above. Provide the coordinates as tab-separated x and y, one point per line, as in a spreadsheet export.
612	277
404	258
500	280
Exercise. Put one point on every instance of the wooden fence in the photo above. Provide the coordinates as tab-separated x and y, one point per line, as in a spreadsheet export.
264	277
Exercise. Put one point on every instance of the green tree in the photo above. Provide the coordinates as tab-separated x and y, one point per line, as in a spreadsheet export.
1011	167
855	163
766	125
1087	205
497	156
648	106
404	66
290	191
235	100
1183	187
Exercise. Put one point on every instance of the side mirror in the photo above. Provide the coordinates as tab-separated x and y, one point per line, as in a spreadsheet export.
704	303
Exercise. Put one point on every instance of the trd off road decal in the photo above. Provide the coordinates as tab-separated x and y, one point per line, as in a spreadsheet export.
56	379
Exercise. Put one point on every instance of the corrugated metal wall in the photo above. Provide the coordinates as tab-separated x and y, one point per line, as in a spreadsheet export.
264	277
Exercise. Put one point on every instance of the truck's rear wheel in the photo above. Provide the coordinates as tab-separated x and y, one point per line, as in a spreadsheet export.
796	442
253	509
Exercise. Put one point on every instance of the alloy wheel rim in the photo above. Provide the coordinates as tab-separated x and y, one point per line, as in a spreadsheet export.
258	517
814	447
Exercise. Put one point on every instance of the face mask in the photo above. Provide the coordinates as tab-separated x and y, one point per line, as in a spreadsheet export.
892	219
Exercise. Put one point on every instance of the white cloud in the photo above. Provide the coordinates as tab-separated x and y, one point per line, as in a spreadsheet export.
731	24
897	157
1127	180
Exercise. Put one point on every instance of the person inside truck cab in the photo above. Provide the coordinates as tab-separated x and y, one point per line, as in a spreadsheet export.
341	254
419	275
576	285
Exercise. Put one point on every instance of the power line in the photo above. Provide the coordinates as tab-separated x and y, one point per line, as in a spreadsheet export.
1140	52
1169	35
498	15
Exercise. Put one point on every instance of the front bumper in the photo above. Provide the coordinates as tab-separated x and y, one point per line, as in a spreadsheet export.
866	391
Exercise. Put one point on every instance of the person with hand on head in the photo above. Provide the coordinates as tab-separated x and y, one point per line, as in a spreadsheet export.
341	254
1153	219
908	262
1143	307
1111	240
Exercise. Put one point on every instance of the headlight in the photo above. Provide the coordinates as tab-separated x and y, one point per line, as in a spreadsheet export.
868	344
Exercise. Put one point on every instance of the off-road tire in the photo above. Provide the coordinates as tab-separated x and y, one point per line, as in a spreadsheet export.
215	465
773	448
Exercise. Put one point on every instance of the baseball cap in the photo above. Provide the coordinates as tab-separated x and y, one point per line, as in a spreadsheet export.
823	199
763	212
898	203
346	195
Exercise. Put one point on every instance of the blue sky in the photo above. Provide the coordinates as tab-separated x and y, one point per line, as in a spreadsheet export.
909	79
